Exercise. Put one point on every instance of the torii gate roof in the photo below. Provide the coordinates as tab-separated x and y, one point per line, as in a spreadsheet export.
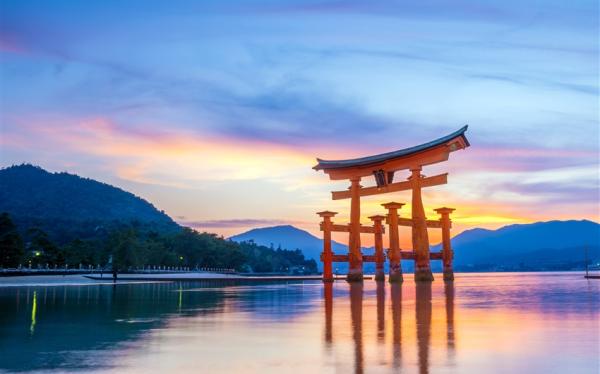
457	137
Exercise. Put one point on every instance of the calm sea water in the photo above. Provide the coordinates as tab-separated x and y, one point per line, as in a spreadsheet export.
483	323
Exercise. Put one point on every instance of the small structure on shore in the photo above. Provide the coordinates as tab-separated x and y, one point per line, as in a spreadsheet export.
383	168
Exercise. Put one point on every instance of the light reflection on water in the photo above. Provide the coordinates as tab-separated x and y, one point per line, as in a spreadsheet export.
505	323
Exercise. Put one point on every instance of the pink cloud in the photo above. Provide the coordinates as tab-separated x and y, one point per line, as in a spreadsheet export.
9	44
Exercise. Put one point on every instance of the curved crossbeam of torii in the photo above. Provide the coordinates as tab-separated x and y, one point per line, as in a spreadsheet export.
383	167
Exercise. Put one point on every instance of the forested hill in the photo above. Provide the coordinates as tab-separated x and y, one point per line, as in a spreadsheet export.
67	206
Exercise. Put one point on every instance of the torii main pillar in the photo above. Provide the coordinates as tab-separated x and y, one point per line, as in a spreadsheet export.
355	272
379	256
327	255
447	253
394	253
420	238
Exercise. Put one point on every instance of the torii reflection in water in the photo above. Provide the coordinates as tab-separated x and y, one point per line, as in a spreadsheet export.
356	306
396	294
423	318
450	338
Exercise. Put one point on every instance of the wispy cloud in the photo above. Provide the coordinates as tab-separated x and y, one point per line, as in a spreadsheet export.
518	159
176	153
588	89
9	44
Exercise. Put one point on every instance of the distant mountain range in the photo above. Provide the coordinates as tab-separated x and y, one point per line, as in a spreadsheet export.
546	245
554	245
67	206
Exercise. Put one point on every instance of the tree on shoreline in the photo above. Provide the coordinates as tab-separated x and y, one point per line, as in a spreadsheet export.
125	249
42	251
11	243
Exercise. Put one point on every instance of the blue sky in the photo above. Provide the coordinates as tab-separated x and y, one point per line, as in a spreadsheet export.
215	111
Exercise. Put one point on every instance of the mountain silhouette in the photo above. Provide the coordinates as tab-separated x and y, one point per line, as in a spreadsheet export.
541	245
68	206
289	237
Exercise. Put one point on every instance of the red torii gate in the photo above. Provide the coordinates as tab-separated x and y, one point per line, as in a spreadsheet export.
383	168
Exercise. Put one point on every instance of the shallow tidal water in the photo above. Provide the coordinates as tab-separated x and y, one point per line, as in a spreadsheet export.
480	323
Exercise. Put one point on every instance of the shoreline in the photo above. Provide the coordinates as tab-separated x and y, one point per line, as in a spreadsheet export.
91	279
106	279
206	276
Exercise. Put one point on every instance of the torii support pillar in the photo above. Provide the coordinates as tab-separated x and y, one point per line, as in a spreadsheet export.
355	271
327	255
447	254
379	257
328	293
420	238
394	251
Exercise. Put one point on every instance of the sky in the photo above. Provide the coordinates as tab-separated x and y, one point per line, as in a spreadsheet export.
215	111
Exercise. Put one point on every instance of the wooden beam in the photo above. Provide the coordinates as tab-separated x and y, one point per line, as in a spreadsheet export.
435	224
346	228
339	258
410	255
393	187
406	255
436	255
344	258
431	223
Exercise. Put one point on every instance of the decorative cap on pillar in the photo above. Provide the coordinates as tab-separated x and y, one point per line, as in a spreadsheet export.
326	213
377	218
393	205
444	210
